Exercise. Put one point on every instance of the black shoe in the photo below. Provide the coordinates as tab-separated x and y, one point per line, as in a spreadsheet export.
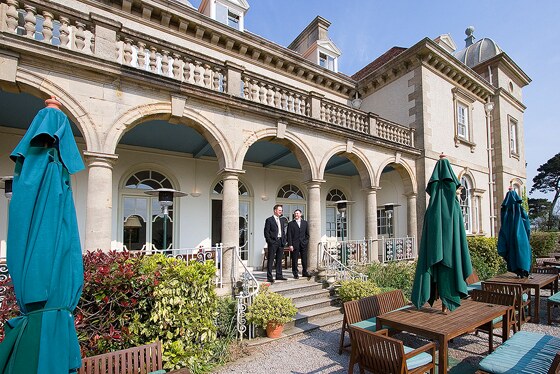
270	280
281	279
296	276
307	275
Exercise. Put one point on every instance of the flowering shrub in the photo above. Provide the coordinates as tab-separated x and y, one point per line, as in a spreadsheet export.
116	290
356	289
8	305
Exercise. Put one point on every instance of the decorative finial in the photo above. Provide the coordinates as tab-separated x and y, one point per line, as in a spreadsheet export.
53	103
442	155
470	36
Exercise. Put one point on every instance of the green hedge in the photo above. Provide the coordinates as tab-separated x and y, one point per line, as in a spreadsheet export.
485	258
543	243
356	289
393	275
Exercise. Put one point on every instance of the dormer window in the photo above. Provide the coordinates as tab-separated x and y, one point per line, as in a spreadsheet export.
228	12
227	16
326	61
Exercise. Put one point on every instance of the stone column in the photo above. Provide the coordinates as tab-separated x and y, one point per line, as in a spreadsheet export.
314	222
230	224
412	219
371	222
99	203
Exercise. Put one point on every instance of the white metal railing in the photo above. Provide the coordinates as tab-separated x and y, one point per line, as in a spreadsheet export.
249	289
3	277
340	259
398	249
200	254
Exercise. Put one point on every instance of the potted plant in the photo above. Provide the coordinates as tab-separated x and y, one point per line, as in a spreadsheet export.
271	310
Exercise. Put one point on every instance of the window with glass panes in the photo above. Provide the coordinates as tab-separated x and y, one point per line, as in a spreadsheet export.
466	203
384	223
513	136
291	197
462	121
333	218
148	231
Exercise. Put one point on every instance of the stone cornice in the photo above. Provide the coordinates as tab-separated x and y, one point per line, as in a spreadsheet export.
506	62
427	53
185	22
511	99
37	54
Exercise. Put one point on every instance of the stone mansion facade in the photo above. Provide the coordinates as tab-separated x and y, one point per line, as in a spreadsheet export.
163	95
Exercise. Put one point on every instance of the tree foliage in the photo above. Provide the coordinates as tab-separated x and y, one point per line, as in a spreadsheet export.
548	180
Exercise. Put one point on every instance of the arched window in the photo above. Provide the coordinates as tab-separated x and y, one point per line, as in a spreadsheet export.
219	189
142	219
465	199
291	197
334	221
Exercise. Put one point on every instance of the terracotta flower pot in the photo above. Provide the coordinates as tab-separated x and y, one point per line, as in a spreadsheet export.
274	330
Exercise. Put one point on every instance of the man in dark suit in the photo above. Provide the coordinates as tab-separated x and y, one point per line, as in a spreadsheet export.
298	239
275	236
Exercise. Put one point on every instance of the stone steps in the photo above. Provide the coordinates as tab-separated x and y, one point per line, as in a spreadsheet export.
316	306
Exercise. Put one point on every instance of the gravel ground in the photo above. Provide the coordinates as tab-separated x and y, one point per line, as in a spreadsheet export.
317	351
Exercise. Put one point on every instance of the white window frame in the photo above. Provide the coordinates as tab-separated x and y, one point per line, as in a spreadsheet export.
385	226
513	136
152	207
329	61
227	14
466	202
292	202
463	118
334	195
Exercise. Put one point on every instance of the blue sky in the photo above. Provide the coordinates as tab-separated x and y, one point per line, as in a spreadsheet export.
528	31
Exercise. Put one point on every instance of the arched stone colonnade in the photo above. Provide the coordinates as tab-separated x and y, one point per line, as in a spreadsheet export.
230	140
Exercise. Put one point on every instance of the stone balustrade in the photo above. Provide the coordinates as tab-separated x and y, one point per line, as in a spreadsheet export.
393	132
276	95
344	116
169	62
49	26
109	40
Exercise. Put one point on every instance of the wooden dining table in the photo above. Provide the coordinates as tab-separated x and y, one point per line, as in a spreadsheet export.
432	323
534	281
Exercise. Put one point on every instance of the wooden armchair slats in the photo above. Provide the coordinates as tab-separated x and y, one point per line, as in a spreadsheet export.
379	353
369	307
498	299
521	303
138	360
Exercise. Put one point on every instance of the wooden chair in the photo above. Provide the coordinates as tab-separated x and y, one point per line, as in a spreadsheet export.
473	282
497	299
540	260
378	353
521	302
553	287
367	308
138	360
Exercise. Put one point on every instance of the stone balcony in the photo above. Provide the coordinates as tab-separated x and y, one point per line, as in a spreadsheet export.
59	28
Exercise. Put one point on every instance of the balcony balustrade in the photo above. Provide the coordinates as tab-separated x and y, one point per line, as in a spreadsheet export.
88	33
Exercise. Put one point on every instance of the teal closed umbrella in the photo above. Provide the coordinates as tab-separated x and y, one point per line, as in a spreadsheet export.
44	255
444	261
513	240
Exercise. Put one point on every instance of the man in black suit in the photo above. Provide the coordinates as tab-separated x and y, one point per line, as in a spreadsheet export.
298	239
275	236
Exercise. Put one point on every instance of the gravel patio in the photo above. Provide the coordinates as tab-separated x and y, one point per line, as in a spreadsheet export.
317	351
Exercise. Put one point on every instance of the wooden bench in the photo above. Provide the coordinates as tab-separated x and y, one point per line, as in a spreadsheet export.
552	301
138	360
366	309
523	353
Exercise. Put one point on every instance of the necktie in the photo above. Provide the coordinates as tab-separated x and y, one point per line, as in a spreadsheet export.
279	226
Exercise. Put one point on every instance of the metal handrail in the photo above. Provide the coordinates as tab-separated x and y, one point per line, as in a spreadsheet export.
335	268
249	289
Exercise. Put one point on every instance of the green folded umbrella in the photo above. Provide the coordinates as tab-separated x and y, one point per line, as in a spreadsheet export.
513	240
44	255
444	261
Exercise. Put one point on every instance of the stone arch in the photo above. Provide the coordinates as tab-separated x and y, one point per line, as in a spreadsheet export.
466	172
162	111
37	85
292	142
405	171
360	161
242	179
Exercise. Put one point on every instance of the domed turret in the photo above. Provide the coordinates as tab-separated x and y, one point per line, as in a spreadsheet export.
475	53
